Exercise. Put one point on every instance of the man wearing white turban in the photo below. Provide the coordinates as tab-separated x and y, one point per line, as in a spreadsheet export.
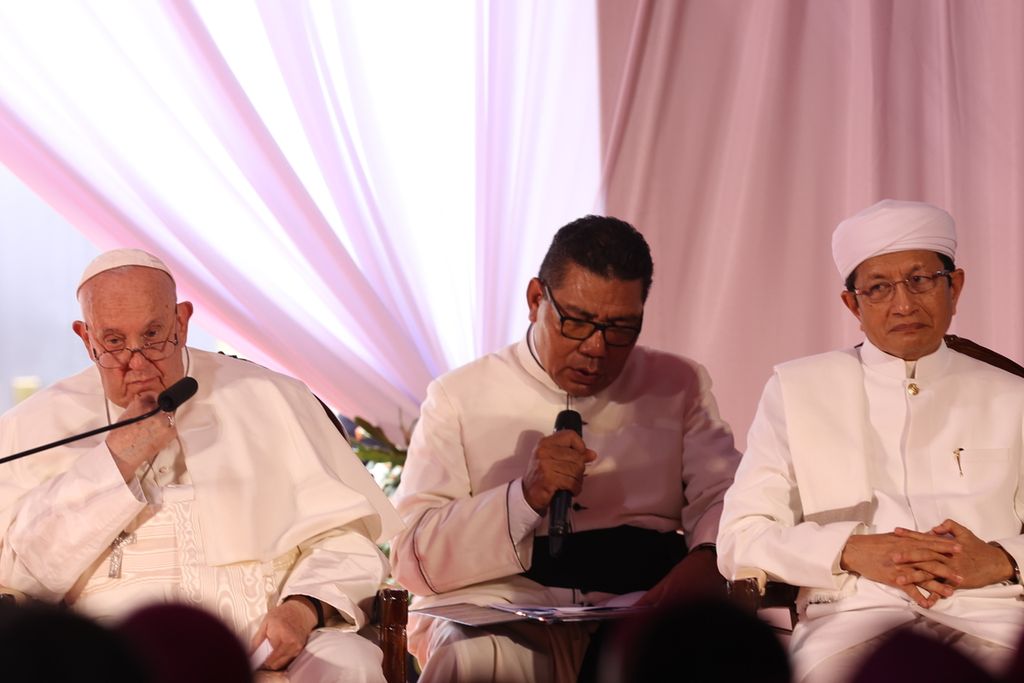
245	501
886	480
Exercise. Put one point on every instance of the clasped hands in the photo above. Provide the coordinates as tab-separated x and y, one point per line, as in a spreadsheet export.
927	566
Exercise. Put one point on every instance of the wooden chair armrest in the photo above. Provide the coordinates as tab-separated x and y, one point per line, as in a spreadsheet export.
9	596
391	614
751	591
747	588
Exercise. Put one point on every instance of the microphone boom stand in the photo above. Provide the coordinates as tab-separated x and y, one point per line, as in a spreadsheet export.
76	437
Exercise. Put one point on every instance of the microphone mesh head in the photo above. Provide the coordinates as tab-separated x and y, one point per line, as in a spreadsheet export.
569	419
176	394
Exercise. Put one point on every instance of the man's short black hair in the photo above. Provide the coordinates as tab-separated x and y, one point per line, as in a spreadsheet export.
947	264
605	246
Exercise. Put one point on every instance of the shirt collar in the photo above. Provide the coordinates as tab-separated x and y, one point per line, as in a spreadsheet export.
926	367
532	365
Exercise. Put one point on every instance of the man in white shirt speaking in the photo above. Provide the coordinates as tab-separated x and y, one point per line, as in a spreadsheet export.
653	457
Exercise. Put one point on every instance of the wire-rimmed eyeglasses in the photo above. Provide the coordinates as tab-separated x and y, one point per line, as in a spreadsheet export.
118	359
880	292
580	330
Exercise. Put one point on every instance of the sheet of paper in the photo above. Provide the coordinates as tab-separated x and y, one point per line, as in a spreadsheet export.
260	654
470	615
556	615
478	615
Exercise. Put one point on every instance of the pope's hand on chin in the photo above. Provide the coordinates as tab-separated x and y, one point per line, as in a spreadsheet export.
147	395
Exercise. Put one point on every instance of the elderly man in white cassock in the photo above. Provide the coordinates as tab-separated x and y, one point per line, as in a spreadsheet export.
886	479
245	501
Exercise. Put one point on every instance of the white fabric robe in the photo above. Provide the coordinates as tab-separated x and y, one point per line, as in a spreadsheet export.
846	443
665	459
270	474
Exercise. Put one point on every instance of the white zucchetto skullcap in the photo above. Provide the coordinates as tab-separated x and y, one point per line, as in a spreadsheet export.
888	226
119	258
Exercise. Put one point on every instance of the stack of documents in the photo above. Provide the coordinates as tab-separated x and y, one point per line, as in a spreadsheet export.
477	615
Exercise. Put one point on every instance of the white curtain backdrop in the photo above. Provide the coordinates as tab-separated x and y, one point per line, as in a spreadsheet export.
357	192
319	175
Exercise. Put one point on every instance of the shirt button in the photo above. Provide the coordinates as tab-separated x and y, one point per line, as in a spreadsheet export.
912	389
163	470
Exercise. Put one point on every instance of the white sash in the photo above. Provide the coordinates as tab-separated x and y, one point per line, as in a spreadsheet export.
827	427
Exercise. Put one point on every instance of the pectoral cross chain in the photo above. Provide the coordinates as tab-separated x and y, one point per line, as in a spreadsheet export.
117	554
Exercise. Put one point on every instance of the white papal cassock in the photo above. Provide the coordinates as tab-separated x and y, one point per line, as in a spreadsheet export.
258	498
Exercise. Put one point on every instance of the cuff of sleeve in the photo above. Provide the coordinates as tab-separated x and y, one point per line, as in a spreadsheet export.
315	603
705	531
858	529
136	488
1012	548
707	547
100	465
522	519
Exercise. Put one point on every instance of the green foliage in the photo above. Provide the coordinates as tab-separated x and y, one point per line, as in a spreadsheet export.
380	454
372	445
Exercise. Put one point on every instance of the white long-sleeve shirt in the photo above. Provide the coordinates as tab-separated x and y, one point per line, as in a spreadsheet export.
862	442
665	459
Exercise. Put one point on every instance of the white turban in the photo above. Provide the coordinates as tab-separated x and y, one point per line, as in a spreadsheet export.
888	226
119	258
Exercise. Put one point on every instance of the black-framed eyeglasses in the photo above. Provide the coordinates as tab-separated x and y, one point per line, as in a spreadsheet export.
880	292
580	330
118	359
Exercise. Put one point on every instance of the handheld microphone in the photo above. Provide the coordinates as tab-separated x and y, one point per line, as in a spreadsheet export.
559	512
168	401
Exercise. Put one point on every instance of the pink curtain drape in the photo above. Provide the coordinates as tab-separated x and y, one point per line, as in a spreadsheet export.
538	147
739	133
734	133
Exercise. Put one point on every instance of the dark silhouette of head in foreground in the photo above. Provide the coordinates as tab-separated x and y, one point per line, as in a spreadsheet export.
700	640
158	644
42	643
181	643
